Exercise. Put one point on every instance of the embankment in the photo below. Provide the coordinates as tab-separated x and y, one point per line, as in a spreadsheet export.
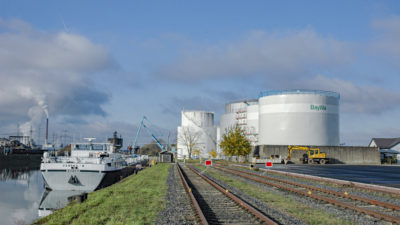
136	199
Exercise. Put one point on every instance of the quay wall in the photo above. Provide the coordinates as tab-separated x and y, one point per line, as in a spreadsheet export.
356	155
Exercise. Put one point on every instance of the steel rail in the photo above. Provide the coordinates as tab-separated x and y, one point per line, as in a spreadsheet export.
352	184
339	194
196	205
238	201
375	214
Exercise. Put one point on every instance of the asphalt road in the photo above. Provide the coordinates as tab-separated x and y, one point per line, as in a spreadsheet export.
380	175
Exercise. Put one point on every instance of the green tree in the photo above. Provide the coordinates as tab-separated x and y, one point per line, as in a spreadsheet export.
196	152
213	153
234	142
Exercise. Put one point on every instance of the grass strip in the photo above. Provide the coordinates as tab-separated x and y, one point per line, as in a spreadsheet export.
279	202
135	200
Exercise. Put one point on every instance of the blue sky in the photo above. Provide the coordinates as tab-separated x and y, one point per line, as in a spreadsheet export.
98	66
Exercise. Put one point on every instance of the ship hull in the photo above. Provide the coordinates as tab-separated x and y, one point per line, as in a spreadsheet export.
82	180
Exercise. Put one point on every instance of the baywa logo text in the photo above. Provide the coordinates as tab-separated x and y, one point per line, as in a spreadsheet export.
318	107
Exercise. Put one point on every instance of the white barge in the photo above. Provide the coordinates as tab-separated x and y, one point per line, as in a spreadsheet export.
90	166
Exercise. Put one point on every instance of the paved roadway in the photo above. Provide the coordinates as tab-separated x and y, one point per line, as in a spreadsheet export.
380	175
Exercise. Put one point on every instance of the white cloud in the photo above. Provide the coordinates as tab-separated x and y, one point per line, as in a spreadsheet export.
270	55
356	98
387	41
48	70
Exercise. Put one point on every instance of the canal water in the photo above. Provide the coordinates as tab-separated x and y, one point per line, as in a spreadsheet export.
23	198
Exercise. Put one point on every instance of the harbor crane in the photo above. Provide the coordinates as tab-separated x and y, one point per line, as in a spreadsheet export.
148	130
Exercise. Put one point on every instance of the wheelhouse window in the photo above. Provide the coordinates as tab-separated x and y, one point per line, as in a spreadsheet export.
94	147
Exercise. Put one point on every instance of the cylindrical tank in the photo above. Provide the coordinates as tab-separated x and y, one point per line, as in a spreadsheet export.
299	117
252	123
199	127
197	118
235	113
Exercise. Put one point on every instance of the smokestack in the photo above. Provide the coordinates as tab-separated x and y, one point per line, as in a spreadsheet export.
47	131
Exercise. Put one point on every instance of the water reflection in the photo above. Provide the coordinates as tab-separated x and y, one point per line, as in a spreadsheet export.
22	174
53	200
20	191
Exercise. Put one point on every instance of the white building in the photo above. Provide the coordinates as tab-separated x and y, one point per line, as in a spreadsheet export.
388	147
4	141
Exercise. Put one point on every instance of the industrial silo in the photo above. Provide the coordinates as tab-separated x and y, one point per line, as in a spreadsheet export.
199	127
298	117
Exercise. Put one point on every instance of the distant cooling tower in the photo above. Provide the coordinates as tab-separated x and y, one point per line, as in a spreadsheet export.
299	117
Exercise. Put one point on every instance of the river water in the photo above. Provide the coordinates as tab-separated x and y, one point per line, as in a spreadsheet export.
21	190
23	198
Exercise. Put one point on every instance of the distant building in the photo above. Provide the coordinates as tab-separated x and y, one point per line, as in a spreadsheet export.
26	140
389	147
4	141
386	143
116	141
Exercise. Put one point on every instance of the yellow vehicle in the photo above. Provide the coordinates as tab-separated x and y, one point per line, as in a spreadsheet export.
313	155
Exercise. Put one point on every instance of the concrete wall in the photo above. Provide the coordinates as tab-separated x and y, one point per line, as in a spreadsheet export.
336	154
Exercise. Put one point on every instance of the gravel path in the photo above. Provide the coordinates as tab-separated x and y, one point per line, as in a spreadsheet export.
178	208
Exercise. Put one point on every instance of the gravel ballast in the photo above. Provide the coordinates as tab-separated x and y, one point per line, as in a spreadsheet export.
178	209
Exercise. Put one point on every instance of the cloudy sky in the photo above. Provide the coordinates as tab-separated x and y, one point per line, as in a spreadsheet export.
99	66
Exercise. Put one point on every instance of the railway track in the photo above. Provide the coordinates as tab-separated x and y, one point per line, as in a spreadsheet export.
216	205
381	210
352	185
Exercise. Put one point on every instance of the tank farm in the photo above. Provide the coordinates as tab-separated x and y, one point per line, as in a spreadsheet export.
279	125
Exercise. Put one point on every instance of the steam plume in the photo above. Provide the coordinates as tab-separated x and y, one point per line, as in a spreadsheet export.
35	112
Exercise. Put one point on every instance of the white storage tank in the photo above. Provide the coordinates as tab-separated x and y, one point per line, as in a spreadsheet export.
236	113
299	117
252	124
200	126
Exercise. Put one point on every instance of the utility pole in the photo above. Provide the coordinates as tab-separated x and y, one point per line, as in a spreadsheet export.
30	136
39	135
168	148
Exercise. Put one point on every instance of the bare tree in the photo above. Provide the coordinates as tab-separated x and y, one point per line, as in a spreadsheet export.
189	139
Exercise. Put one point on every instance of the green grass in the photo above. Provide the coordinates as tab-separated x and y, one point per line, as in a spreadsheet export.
135	200
280	202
